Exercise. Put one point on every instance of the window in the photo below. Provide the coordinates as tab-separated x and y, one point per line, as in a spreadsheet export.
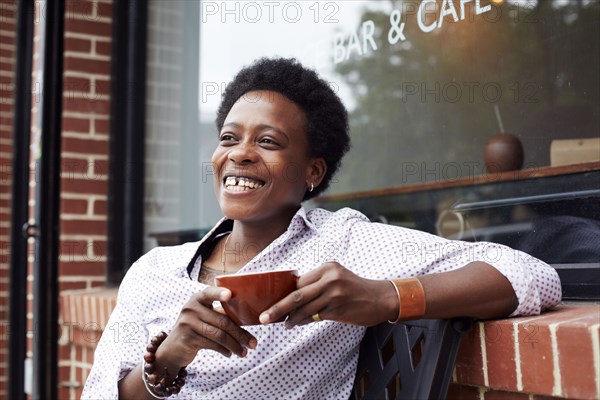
430	85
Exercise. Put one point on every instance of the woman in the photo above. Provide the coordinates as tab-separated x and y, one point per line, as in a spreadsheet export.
282	134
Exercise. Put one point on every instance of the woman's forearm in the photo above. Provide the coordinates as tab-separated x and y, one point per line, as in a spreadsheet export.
476	290
131	387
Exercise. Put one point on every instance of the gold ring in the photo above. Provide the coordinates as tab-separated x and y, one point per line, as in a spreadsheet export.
316	317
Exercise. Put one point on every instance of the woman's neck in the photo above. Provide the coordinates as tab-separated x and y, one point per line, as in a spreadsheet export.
247	239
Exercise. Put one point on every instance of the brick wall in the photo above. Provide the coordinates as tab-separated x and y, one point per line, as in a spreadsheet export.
84	171
554	355
7	55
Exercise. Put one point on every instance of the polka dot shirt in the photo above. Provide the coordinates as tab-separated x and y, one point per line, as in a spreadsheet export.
315	361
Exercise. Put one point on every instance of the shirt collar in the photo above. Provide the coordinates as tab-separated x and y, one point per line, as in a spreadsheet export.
299	221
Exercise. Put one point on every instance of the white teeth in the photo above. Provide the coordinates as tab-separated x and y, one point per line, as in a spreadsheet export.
241	184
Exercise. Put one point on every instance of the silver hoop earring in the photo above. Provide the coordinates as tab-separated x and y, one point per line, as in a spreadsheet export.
312	187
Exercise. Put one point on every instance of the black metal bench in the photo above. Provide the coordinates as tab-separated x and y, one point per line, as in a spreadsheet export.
409	360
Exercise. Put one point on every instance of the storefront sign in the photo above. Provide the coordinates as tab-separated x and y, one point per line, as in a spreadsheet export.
430	16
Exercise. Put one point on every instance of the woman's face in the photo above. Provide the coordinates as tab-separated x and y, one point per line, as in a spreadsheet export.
262	164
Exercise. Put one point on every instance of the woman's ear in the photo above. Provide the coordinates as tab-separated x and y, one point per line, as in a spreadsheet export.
316	171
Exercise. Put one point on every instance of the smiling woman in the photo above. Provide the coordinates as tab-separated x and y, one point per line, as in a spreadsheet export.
282	135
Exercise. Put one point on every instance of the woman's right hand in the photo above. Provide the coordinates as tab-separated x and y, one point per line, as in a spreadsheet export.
198	327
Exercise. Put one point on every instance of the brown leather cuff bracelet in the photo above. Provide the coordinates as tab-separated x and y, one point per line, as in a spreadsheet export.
411	298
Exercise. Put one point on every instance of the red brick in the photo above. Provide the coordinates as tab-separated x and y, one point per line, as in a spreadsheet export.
63	374
79	64
97	284
84	186
102	87
6	148
64	392
79	373
8	21
73	206
7	53
469	364
71	285
535	347
561	314
88	10
84	146
80	125
576	358
82	268
83	227
102	125
5	107
99	248
73	167
7	40
74	87
87	105
7	67
500	351
103	48
78	45
88	336
100	207
89	27
101	168
69	249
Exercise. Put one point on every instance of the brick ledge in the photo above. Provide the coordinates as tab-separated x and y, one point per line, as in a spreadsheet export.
84	315
555	354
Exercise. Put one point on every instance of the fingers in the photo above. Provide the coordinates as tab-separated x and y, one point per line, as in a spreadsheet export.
214	293
291	302
310	287
219	333
304	315
211	329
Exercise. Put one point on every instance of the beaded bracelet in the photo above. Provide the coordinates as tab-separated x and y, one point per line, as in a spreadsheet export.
156	384
411	299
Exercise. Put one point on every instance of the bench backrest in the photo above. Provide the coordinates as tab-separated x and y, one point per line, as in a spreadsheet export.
409	360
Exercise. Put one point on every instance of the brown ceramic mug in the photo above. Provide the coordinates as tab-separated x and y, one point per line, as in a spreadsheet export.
254	292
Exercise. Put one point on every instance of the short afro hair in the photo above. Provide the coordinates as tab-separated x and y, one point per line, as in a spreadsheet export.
326	116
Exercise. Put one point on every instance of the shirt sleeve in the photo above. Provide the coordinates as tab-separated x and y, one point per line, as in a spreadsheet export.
119	349
380	251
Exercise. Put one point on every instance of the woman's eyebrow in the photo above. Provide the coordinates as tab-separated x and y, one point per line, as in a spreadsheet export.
264	127
261	127
231	124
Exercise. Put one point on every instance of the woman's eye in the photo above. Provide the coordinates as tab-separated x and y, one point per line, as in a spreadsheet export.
226	137
269	142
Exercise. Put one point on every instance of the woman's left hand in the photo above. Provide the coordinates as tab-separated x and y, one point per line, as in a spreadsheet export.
336	294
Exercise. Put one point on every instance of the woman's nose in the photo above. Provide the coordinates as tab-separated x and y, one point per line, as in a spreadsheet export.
243	153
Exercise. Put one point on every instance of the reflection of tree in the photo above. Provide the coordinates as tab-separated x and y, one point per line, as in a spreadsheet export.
545	61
